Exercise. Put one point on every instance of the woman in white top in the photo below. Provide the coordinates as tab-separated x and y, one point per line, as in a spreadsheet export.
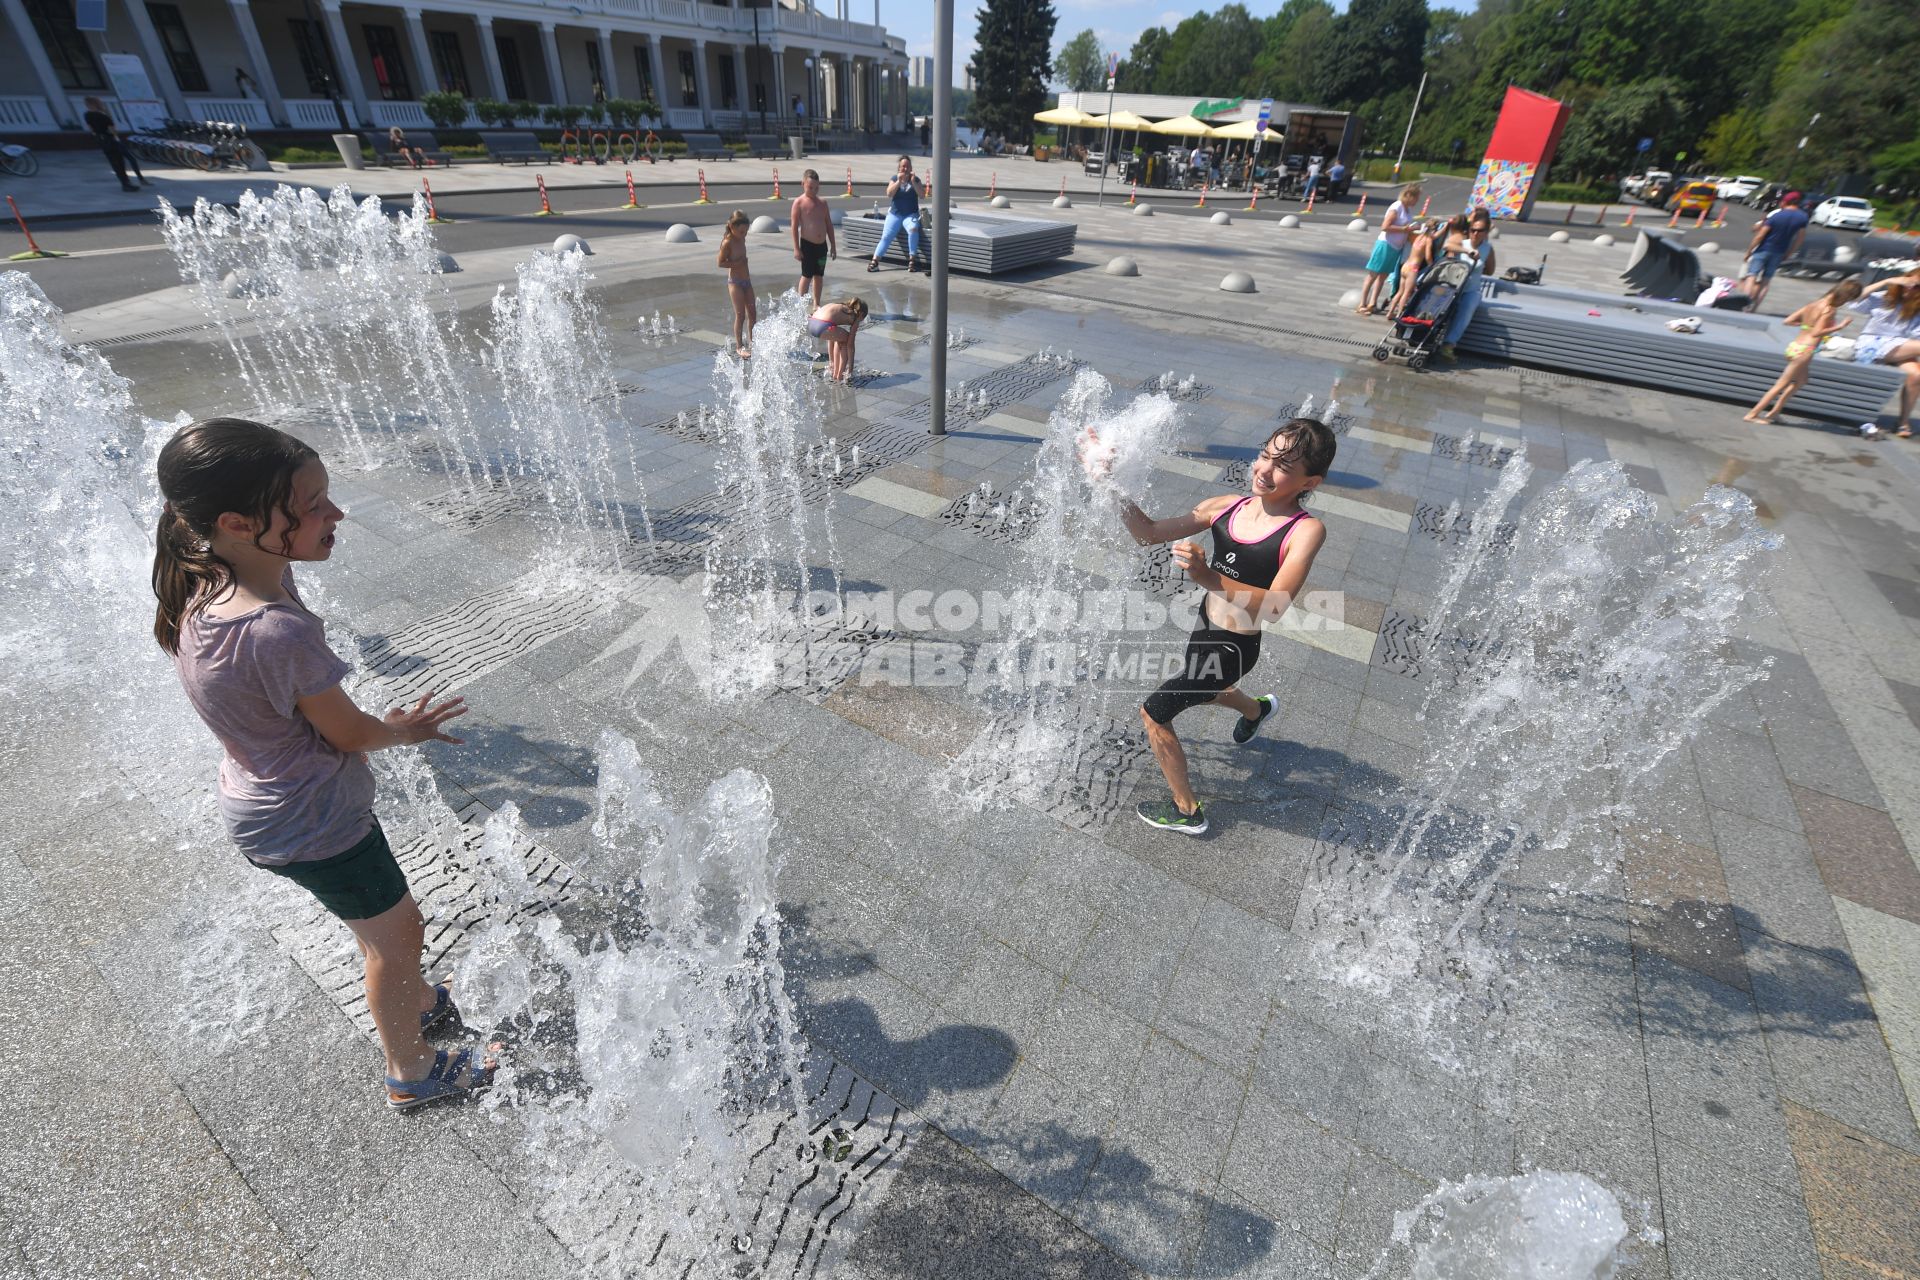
1388	250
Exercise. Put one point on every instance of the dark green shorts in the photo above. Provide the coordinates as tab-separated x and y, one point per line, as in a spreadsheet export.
356	885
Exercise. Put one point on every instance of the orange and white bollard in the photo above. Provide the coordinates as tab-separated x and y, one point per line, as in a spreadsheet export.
1674	221
776	183
1600	219
993	187
1424	205
433	217
849	191
546	207
1253	199
1063	184
1721	219
1568	220
1311	195
1362	211
1700	221
703	189
1133	197
1201	203
33	250
633	201
1629	221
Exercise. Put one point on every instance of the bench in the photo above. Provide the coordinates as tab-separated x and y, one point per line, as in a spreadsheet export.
705	146
504	145
426	143
764	145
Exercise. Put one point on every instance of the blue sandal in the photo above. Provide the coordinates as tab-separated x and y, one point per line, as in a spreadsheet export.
450	1077
442	1012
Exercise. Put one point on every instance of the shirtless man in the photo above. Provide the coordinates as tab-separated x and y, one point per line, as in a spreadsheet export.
813	241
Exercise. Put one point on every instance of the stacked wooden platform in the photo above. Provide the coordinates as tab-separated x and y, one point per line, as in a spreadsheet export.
982	243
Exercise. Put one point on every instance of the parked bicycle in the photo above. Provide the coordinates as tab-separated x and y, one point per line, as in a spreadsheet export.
203	145
18	160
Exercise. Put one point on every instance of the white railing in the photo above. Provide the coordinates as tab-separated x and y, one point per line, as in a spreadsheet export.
674	10
315	113
21	113
686	118
248	111
114	109
408	115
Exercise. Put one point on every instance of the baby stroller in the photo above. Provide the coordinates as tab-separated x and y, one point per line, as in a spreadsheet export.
1423	324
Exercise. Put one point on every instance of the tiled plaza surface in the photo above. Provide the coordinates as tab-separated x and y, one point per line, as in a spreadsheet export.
1119	1063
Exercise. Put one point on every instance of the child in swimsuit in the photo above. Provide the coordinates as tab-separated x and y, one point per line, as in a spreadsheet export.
838	323
1818	322
733	259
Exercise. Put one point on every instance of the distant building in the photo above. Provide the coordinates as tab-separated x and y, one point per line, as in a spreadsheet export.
920	73
278	64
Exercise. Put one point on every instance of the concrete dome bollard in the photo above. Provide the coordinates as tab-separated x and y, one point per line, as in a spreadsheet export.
1123	266
681	233
570	242
1290	221
1221	219
1062	202
1357	224
1559	237
1143	210
1711	246
765	224
999	202
444	263
1237	282
244	282
1603	240
1845	253
1350	299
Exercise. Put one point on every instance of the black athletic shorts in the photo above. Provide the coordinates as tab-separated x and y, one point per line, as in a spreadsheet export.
813	258
359	884
1216	659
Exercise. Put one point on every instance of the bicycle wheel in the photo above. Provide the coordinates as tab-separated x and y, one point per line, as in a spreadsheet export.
602	148
243	153
198	156
24	165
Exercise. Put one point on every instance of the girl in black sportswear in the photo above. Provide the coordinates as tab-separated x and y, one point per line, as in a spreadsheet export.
1263	545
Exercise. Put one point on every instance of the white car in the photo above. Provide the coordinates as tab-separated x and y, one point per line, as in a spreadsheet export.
1741	187
1849	213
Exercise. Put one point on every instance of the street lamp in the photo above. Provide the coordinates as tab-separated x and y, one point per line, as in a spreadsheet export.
762	94
807	63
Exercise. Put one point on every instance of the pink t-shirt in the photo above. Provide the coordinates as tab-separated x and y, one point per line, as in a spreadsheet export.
287	794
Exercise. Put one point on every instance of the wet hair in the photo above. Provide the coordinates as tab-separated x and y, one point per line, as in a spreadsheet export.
737	218
855	304
210	468
809	174
1308	441
1456	225
1843	293
1480	214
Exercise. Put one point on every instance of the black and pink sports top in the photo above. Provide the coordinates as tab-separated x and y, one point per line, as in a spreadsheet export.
1253	563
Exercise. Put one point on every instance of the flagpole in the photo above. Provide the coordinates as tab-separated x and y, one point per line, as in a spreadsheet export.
1417	95
1106	148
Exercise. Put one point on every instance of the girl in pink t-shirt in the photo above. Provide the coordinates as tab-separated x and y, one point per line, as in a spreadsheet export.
244	503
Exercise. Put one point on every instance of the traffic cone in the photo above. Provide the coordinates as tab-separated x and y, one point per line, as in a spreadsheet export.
703	189
546	208
633	201
433	218
33	250
849	192
1134	196
776	183
1201	203
1253	199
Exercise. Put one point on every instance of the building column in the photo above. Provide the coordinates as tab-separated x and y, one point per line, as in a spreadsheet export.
779	108
700	83
608	65
343	61
843	71
556	80
29	39
657	61
156	57
261	70
490	55
740	79
422	53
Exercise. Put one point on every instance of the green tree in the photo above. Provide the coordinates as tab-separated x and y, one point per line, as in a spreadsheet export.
1080	65
1012	65
1377	49
1602	136
1857	73
1210	53
1141	66
1735	141
1297	40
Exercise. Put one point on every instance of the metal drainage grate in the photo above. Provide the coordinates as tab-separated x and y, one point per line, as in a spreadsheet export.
1186	390
994	514
487	502
1443	525
476	636
1477	452
1096	768
153	335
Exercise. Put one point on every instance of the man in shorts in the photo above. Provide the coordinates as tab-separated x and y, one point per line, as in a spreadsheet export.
813	241
1775	239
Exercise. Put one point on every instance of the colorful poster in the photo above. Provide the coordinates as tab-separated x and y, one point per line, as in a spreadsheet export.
1502	186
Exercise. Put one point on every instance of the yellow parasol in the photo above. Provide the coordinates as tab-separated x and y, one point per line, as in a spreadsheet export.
1245	132
1064	115
1185	127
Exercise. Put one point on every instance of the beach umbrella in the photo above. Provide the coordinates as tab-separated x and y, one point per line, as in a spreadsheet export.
1065	116
1123	120
1185	127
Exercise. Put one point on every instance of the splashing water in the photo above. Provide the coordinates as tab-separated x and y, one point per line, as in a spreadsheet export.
1041	705
1536	1226
684	1054
1569	654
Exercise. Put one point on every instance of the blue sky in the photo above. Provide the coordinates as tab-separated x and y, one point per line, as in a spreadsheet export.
1116	22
